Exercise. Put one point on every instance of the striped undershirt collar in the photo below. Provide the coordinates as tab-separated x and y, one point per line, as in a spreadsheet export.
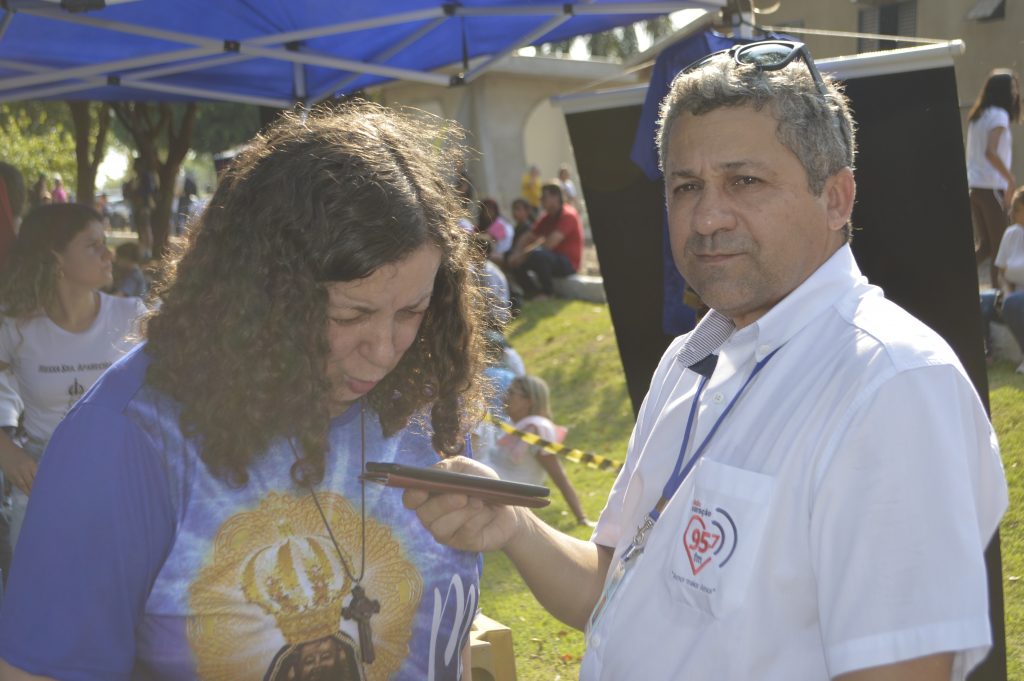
709	335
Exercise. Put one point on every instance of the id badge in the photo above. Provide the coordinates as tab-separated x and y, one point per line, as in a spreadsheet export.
610	587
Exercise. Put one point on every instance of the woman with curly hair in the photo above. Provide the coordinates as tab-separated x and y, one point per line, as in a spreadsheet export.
207	492
58	333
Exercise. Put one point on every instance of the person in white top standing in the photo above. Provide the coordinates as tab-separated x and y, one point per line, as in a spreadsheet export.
812	479
989	159
58	331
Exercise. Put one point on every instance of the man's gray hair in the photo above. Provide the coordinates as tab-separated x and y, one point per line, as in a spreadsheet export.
819	131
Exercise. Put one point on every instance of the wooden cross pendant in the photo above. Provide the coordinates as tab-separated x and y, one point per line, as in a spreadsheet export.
361	609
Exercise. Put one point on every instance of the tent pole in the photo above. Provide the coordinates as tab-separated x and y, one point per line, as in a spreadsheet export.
347	27
185	67
55	75
586	8
132	29
40	93
202	93
319	59
525	40
379	57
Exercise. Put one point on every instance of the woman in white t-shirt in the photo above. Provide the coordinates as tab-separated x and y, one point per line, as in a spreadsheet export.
527	405
58	332
989	157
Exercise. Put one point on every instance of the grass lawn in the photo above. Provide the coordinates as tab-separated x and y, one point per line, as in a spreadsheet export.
1006	397
571	344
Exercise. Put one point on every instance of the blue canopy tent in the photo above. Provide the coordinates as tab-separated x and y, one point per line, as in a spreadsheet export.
276	52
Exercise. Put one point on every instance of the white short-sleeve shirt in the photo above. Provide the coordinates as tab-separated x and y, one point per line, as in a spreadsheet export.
981	173
1010	257
53	367
836	521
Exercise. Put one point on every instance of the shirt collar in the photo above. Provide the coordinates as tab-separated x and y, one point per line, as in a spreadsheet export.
709	334
820	290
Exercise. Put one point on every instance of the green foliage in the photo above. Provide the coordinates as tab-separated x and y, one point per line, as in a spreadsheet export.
224	125
37	138
218	126
571	344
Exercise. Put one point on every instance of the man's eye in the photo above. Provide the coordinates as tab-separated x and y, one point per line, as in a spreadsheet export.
344	321
747	180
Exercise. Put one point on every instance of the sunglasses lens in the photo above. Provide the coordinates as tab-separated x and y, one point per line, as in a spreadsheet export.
766	56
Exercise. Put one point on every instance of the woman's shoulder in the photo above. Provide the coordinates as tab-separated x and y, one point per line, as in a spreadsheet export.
544	426
1014	235
128	308
993	117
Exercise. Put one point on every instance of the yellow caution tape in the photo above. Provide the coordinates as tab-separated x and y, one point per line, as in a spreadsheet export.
575	455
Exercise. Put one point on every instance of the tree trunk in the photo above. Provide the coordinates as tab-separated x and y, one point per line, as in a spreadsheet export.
178	143
137	118
88	153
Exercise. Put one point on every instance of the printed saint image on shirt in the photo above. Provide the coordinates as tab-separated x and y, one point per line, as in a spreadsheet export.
274	582
331	658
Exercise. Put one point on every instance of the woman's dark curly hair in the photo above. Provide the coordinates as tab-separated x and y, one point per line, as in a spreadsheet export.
241	337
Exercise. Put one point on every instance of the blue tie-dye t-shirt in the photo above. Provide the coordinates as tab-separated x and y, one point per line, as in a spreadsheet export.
135	562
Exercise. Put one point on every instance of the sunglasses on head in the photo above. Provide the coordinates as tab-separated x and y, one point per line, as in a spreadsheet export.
767	55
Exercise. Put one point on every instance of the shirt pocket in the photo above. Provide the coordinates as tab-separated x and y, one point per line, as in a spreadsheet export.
718	525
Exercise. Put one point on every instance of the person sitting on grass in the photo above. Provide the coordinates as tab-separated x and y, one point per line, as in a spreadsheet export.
554	248
129	280
1006	303
527	403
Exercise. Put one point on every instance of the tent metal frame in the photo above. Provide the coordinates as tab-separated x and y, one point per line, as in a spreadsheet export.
200	52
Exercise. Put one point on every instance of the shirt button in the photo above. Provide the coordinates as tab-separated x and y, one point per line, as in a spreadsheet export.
596	640
764	350
718	398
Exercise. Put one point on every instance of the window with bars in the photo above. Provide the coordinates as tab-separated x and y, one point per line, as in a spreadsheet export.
895	18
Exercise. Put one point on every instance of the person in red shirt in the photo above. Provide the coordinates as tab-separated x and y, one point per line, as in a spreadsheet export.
553	248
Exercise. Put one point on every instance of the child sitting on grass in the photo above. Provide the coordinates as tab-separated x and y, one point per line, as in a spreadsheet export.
129	279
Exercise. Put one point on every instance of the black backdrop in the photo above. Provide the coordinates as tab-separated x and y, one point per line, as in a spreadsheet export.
912	234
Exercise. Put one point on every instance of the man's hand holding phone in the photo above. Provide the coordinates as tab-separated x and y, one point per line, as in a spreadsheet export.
463	521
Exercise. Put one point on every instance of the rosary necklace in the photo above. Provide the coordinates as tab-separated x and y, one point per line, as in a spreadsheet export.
361	608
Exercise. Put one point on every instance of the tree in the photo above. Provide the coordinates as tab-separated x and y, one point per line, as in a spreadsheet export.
89	150
35	138
223	125
617	43
157	128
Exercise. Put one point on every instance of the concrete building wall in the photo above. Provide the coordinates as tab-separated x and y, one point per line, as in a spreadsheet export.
990	44
508	118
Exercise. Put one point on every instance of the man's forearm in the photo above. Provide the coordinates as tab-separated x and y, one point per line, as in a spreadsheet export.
565	574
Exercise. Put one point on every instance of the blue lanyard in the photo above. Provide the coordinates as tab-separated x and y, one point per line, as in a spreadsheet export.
680	471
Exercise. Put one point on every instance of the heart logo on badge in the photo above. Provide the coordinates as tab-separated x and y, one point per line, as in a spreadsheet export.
699	543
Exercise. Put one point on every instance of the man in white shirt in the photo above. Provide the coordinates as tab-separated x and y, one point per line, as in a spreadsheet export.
812	479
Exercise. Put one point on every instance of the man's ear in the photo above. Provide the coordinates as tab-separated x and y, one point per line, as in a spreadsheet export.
840	192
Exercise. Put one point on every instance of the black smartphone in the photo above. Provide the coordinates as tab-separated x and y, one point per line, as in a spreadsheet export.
437	481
